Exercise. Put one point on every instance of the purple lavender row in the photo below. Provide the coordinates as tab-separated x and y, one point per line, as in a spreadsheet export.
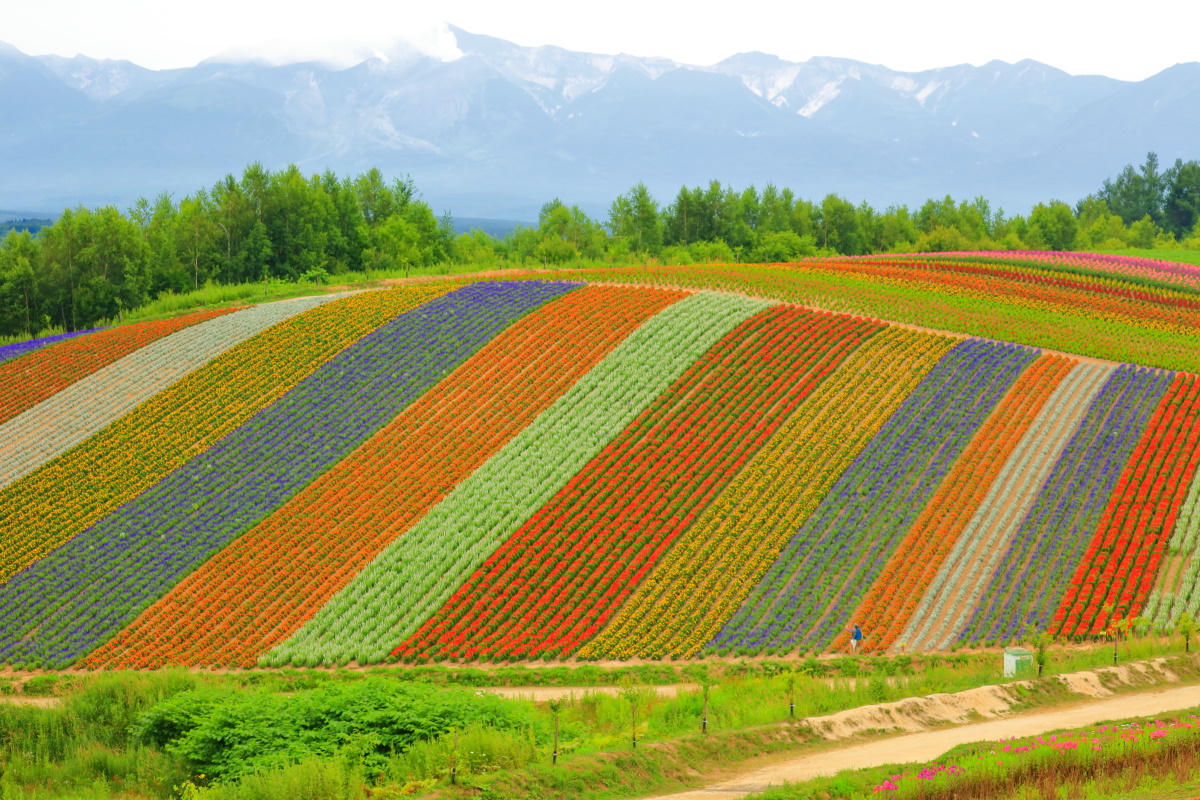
1030	580
66	604
10	351
822	574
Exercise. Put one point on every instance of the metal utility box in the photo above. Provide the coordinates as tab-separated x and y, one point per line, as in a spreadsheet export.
1017	660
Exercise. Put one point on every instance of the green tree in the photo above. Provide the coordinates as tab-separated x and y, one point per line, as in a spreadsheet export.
296	218
1056	224
567	233
1181	209
1187	629
475	247
942	240
196	238
780	246
1143	233
839	227
396	244
634	217
112	266
20	295
61	243
895	228
1100	229
1136	193
233	214
937	214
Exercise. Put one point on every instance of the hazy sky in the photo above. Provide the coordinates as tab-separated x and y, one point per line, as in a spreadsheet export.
1097	37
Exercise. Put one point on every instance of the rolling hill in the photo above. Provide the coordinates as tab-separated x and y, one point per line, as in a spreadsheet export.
653	462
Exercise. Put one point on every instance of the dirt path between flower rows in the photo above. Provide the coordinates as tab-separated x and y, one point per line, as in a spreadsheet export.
543	693
45	702
926	746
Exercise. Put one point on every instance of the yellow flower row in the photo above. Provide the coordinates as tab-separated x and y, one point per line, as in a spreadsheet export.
61	499
716	563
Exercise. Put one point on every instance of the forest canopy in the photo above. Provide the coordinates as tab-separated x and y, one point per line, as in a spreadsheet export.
93	265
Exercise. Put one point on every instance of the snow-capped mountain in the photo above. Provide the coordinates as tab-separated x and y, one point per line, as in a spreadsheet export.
489	128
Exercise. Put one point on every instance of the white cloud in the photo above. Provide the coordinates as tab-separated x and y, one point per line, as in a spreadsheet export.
905	36
346	51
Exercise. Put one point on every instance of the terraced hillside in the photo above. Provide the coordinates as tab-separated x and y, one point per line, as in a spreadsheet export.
639	463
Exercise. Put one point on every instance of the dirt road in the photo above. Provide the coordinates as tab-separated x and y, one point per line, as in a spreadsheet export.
45	702
928	745
541	693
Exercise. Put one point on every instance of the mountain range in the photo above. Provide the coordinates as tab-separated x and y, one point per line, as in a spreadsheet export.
502	128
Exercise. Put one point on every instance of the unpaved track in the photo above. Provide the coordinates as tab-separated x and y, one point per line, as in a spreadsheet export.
45	702
542	693
926	746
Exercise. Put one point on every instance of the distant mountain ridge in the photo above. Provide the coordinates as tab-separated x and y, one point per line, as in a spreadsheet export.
503	128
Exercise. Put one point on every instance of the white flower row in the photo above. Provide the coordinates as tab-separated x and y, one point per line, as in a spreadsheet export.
960	582
411	578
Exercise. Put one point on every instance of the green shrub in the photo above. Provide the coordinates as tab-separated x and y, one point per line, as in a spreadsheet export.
227	733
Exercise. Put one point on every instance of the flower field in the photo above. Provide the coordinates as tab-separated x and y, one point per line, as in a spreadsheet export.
17	349
1034	572
84	407
708	573
963	575
66	495
889	604
556	581
635	463
48	371
804	599
259	590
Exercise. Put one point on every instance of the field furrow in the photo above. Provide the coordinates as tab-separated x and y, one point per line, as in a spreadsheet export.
81	409
1178	590
127	560
396	592
1114	576
16	350
48	371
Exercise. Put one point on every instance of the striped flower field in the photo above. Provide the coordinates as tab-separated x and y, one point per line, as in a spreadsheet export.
688	462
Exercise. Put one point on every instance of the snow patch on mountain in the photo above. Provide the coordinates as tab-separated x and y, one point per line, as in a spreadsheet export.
822	98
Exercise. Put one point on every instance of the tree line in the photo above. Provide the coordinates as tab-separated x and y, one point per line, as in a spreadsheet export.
91	266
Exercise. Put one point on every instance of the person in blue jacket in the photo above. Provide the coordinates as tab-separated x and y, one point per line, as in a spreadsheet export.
855	638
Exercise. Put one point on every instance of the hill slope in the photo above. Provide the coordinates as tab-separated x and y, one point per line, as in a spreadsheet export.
532	469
